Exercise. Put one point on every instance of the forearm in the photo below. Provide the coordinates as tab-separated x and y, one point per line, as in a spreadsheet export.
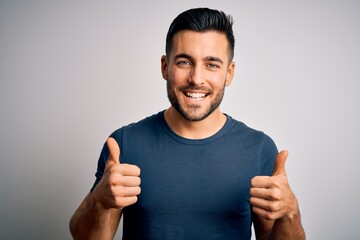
288	228
91	221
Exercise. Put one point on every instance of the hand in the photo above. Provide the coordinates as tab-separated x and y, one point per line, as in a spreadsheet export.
271	197
120	183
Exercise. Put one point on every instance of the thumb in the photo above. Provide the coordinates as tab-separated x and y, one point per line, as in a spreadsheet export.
280	163
114	150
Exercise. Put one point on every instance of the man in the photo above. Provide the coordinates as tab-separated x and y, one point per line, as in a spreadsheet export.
203	175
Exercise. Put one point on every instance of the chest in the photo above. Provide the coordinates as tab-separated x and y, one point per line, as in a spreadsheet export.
205	179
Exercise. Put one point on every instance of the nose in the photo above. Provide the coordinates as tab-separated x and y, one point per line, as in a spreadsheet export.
197	75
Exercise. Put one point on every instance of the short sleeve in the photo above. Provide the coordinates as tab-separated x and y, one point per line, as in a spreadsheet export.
101	165
104	155
269	154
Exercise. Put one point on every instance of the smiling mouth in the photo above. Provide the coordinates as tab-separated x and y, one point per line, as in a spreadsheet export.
195	95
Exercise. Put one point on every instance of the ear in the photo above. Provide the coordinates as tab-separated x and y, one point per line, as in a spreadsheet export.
164	65
230	73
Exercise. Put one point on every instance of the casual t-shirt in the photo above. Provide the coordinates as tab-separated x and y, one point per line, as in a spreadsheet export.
191	189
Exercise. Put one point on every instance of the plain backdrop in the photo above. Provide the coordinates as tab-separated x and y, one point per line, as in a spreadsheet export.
71	72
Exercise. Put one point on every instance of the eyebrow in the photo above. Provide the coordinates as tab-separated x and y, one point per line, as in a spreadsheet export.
209	58
214	59
183	55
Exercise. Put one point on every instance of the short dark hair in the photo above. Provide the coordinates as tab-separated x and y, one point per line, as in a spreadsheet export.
201	20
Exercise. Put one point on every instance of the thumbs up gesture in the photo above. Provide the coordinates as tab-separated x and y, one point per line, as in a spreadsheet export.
271	197
120	183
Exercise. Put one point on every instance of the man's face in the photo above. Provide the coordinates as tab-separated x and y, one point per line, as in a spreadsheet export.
197	71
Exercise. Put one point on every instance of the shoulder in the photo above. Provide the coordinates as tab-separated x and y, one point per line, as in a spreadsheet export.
240	129
142	126
241	126
254	143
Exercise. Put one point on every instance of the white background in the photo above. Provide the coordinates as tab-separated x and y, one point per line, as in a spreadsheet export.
71	72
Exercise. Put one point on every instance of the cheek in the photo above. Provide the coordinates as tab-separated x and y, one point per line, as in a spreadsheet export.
218	81
178	76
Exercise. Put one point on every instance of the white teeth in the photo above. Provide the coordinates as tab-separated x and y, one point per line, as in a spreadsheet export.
196	95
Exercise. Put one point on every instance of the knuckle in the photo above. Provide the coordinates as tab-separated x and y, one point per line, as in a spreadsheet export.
252	191
112	191
272	183
274	206
114	180
122	168
114	169
270	216
275	194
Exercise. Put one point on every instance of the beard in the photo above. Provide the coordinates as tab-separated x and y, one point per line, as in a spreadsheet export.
193	112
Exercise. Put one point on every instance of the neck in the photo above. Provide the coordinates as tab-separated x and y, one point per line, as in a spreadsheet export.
194	129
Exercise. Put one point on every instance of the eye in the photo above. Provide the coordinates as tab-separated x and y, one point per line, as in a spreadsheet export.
183	62
213	65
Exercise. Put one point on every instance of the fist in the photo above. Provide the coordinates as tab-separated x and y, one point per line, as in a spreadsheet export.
271	197
120	184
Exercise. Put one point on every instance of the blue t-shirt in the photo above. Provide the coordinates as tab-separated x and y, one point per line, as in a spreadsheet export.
191	189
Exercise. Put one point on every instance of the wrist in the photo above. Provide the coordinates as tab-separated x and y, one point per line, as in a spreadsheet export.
292	216
98	207
293	211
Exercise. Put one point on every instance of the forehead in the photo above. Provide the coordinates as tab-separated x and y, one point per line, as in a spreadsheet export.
200	44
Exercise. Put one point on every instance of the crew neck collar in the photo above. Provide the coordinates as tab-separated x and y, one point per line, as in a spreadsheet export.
184	140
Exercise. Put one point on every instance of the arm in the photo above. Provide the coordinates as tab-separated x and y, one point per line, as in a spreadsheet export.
99	214
91	221
275	207
287	227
